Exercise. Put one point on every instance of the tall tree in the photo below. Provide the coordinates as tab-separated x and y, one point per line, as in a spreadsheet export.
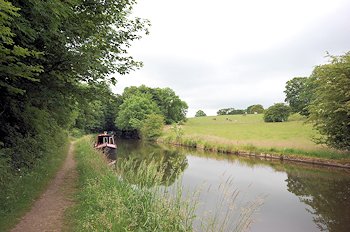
299	94
47	49
330	110
134	111
171	106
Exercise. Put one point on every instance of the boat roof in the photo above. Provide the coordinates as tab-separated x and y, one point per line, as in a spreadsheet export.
105	135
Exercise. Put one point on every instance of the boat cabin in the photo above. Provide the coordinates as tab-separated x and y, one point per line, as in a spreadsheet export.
106	143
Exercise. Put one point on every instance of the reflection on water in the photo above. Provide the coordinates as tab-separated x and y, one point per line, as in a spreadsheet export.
299	197
327	194
169	160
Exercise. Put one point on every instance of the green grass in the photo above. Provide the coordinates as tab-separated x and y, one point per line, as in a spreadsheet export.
233	133
22	189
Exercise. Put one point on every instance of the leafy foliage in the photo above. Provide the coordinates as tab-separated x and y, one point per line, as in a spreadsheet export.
200	113
255	108
279	112
230	111
152	127
171	106
14	68
330	110
134	111
96	110
299	94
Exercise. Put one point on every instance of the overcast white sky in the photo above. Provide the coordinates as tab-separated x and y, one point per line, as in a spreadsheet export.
235	53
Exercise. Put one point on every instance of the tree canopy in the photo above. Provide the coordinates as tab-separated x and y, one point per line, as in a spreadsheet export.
230	111
330	109
298	94
170	105
134	111
255	109
279	112
54	55
200	113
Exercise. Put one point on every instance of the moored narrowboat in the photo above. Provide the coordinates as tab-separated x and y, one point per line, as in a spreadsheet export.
106	143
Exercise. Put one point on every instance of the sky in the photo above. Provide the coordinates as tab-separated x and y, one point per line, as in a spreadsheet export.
234	53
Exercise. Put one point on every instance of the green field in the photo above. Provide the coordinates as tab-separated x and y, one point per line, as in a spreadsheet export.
251	133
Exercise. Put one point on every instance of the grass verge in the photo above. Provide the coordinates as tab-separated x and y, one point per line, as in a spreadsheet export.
22	189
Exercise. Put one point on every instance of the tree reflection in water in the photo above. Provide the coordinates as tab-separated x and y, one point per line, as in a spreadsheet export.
327	193
169	163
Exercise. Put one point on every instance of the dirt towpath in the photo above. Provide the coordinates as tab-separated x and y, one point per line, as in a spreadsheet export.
47	212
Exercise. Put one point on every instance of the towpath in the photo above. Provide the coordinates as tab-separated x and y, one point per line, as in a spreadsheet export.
47	213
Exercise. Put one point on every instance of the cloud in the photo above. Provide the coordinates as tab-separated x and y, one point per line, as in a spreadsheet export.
235	53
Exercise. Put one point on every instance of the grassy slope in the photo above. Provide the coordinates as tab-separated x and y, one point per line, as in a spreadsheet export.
22	191
251	133
251	129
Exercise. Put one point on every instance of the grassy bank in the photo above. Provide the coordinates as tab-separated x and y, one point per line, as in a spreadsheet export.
25	186
108	203
238	133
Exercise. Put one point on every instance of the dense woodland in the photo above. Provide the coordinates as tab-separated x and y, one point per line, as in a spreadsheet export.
57	59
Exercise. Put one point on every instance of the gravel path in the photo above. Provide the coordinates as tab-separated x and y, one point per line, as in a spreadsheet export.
47	213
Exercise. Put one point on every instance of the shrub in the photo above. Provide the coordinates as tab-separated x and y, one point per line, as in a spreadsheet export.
279	112
200	113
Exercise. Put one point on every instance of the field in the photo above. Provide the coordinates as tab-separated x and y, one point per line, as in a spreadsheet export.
251	133
252	130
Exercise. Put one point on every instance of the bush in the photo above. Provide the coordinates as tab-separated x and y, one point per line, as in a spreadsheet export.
200	113
279	112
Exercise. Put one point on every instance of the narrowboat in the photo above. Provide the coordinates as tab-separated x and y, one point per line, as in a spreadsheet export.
106	143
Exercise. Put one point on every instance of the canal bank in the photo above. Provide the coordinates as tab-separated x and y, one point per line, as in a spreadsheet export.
262	153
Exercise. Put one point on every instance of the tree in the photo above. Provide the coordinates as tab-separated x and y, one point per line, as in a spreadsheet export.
224	111
279	112
255	108
13	66
47	49
134	111
299	94
200	113
171	106
230	111
152	127
330	110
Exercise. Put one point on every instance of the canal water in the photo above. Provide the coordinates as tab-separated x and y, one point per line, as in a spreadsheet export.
295	197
